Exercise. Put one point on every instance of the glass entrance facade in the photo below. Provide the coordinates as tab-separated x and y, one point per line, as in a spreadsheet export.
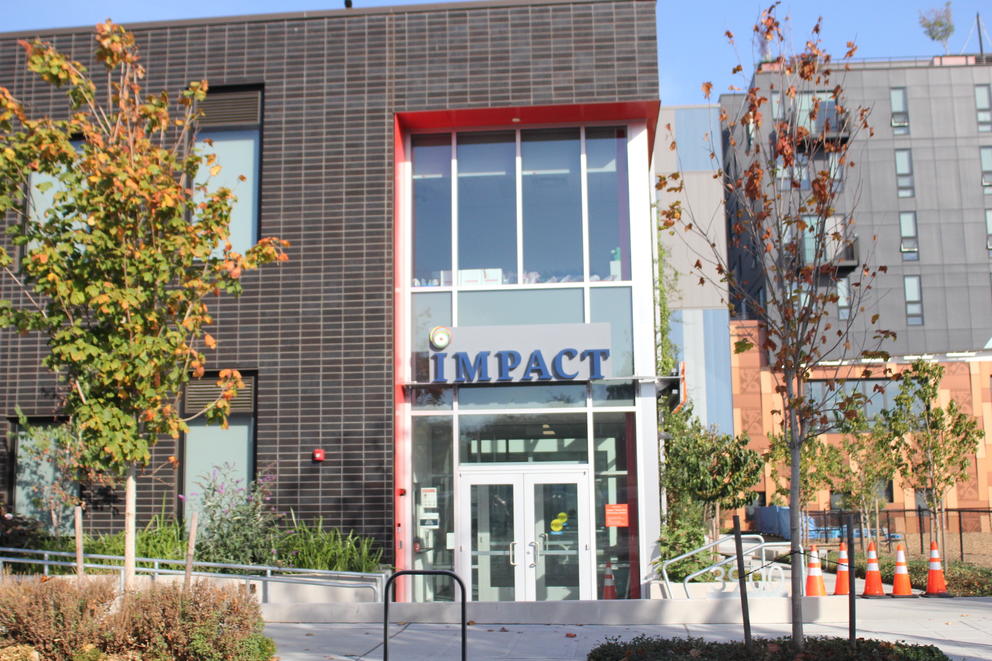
511	482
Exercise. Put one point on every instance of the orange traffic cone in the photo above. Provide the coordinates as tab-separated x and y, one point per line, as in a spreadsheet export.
901	587
814	577
873	577
936	586
609	587
843	585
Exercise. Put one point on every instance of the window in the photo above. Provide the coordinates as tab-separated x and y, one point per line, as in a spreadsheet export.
40	491
914	300
209	447
909	244
432	210
844	299
520	207
986	155
904	173
988	231
983	107
229	128
900	111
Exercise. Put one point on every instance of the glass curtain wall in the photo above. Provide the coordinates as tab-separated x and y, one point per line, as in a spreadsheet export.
522	227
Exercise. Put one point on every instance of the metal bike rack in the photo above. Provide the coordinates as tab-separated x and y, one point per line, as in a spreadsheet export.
419	572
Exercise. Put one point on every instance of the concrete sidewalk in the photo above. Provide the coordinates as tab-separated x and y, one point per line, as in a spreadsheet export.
962	628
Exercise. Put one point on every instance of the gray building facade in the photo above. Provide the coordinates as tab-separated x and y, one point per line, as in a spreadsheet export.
920	194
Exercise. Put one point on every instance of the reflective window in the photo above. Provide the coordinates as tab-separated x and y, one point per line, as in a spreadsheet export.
433	506
552	205
212	450
523	438
612	394
431	210
431	397
237	153
909	244
904	173
983	107
988	231
609	218
900	111
986	156
612	305
40	489
522	396
844	299
914	300
528	306
487	208
614	453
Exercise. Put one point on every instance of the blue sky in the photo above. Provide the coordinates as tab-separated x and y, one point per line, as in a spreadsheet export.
691	45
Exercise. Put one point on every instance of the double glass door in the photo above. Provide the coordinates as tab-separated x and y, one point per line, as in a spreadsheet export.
525	536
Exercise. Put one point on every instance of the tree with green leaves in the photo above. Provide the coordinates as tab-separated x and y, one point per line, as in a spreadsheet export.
938	24
817	471
115	274
704	467
870	457
939	442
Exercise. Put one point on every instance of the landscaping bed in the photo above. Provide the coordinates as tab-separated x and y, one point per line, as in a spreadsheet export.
963	578
647	648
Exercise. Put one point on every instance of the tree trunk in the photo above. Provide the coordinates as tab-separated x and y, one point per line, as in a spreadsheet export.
130	504
795	529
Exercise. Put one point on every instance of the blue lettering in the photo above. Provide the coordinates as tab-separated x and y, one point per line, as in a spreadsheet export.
477	370
595	357
536	364
438	359
506	361
559	369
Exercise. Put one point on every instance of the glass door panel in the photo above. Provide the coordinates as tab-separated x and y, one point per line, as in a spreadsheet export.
493	542
556	541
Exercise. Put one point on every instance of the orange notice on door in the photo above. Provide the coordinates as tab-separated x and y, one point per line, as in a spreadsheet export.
616	516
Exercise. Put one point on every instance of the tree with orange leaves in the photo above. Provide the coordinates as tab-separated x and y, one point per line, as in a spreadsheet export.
794	260
115	273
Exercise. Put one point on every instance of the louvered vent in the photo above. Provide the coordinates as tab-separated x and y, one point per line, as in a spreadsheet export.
201	393
231	108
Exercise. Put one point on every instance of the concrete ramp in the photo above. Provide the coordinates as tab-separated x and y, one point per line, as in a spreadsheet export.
764	610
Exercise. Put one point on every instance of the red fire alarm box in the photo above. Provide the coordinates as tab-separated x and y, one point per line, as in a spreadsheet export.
318	455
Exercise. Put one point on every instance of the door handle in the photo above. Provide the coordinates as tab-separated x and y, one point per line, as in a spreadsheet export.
537	548
513	554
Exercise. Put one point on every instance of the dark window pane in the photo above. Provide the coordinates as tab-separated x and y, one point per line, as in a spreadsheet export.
552	205
609	237
431	210
523	438
520	397
487	208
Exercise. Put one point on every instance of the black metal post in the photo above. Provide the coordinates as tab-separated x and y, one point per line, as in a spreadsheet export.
919	520
419	572
742	581
961	535
852	598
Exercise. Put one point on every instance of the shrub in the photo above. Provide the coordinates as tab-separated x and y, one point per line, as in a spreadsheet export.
313	547
238	524
56	617
77	621
207	623
646	648
679	538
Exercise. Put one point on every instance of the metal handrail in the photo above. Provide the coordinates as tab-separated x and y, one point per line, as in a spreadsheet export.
261	573
761	546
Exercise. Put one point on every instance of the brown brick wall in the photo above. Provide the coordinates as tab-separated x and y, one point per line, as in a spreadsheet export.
332	84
